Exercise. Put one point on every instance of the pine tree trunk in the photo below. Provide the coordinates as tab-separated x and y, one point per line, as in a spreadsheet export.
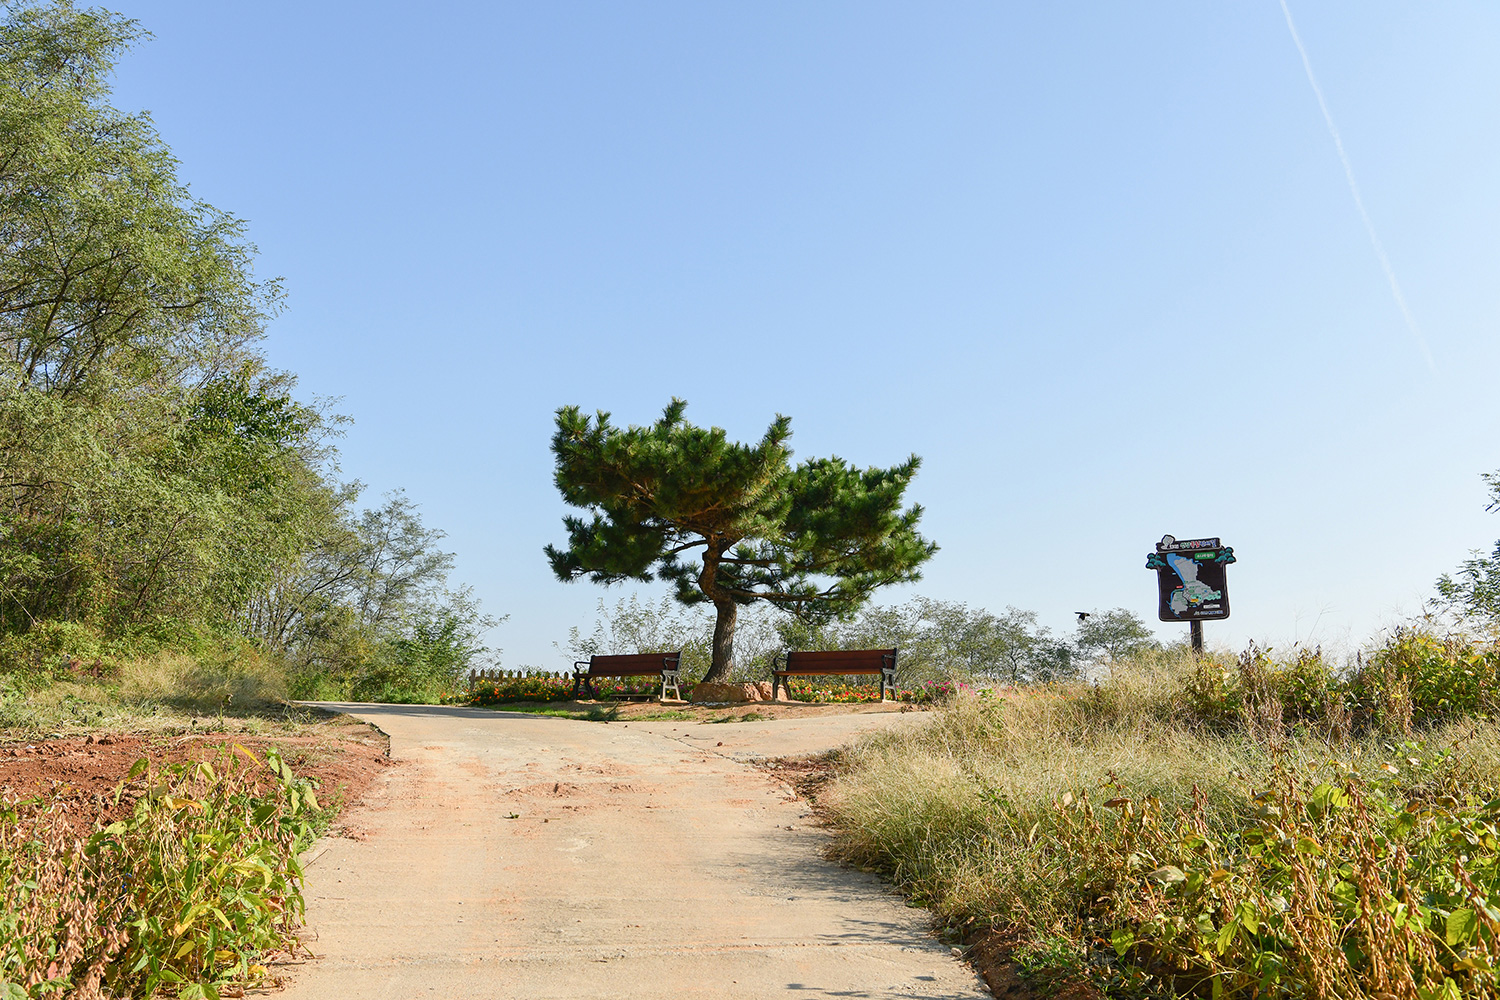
726	614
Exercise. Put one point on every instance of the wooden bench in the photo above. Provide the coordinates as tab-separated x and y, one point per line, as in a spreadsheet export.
629	665
838	661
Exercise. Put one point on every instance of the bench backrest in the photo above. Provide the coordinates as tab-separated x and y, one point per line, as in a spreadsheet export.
839	661
632	664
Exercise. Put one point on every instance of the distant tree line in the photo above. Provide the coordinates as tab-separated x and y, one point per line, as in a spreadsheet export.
937	639
1471	596
159	482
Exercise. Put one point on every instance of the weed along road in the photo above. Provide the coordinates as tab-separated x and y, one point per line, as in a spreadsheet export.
522	856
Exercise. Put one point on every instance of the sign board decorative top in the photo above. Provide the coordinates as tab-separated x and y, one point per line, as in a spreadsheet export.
1170	544
1190	579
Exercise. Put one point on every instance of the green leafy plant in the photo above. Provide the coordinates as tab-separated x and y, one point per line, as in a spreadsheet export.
1418	677
188	891
1332	885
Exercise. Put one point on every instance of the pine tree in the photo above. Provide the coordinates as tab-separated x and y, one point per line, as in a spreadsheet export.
731	523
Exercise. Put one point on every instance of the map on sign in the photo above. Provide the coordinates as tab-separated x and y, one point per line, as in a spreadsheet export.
1193	590
1191	579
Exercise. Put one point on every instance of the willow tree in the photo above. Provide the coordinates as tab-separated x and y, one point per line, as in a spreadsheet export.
731	523
151	465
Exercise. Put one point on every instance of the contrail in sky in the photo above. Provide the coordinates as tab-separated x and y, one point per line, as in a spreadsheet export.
1359	203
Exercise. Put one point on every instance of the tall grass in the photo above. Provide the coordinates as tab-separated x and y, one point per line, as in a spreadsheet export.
59	675
1089	815
203	684
162	690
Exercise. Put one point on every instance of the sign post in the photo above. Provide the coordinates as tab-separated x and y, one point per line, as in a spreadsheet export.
1191	582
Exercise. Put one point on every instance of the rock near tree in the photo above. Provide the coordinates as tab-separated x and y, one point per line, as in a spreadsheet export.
705	691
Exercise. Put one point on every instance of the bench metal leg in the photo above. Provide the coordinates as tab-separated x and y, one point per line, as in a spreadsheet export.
578	680
775	685
887	683
670	679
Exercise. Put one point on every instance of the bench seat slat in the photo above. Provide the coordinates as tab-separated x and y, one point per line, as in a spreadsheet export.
814	669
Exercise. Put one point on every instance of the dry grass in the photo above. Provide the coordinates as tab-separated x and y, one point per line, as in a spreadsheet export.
162	693
926	804
973	814
244	682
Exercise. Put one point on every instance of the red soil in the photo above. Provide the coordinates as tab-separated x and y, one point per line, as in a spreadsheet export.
342	756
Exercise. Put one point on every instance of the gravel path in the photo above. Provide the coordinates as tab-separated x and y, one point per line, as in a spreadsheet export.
522	856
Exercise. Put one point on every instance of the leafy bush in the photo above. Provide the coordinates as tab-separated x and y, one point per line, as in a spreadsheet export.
1415	680
1336	886
1263	696
1418	678
190	890
48	645
421	657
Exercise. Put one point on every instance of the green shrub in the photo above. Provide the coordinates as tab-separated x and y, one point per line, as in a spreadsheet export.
1415	680
315	685
1333	886
187	892
422	659
48	646
1418	678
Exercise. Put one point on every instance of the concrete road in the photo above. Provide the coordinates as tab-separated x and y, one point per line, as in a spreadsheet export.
523	856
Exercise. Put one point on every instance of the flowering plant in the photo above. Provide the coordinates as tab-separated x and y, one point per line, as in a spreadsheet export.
547	686
847	693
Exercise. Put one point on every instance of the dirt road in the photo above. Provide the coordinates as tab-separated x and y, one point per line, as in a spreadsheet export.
521	856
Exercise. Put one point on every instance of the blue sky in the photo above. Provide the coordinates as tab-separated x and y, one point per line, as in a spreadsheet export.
1098	264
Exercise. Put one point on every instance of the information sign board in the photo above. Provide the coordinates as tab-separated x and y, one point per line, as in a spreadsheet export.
1190	579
